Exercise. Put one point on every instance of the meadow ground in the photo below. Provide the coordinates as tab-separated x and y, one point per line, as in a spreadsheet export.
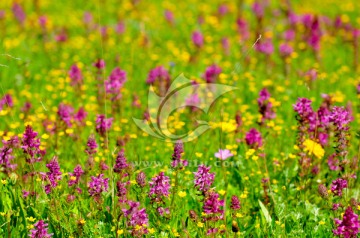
137	118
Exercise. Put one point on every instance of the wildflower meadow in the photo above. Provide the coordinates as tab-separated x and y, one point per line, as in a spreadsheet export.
138	118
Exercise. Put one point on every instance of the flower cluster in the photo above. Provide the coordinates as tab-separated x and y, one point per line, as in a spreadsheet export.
203	178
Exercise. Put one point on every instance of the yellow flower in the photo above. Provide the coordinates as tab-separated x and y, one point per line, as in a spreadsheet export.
222	192
31	219
73	178
249	153
152	230
198	154
182	194
239	215
120	232
314	148
200	224
82	221
322	223
4	181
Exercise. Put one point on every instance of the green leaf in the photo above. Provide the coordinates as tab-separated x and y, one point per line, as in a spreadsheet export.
265	213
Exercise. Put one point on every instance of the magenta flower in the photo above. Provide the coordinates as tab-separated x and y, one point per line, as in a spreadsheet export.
141	179
31	146
159	187
258	9
212	73
197	39
54	174
80	115
243	28
285	50
6	101
338	185
340	117
169	16
253	138
176	157
91	146
115	82
65	112
121	191
223	154
97	185
265	47
6	156
103	124
349	226
138	219
40	230
235	203
212	206
19	13
203	179
75	75
120	163
159	74
77	174
99	64
265	107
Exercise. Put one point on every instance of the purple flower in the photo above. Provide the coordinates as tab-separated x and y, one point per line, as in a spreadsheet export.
203	179
115	82
333	163
163	211
138	219
258	9
99	64
349	226
40	230
285	50
120	163
91	146
169	16
6	101
253	138
159	187
212	231
212	73
176	157
265	107
243	28
335	206
75	75
120	27
340	117
212	206
19	13
31	145
197	39
76	174
235	203
97	185
80	115
303	107
54	174
141	179
121	191
265	47
159	74
103	124
65	112
223	154
338	185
